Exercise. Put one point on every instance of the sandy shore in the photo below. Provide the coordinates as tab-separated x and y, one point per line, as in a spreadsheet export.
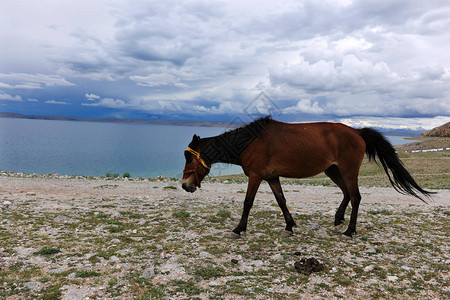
125	238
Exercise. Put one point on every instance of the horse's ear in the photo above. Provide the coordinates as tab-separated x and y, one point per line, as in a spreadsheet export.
195	139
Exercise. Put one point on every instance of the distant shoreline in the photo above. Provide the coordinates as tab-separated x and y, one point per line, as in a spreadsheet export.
217	124
220	124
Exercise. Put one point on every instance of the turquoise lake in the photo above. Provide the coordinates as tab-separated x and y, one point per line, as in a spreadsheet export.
94	149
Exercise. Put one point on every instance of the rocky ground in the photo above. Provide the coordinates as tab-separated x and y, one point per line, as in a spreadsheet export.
88	238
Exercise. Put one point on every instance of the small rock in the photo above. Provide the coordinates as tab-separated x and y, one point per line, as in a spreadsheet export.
159	247
322	232
392	278
123	252
32	285
313	226
405	268
147	274
114	259
298	253
371	251
277	257
7	202
276	281
369	268
204	254
213	283
257	263
89	255
56	271
62	219
116	214
234	261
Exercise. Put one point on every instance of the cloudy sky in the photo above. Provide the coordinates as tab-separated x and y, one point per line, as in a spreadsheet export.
384	62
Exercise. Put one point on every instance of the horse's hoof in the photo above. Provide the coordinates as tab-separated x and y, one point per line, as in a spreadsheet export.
339	227
233	235
287	233
347	236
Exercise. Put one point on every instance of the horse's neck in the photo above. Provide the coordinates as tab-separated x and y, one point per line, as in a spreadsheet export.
222	149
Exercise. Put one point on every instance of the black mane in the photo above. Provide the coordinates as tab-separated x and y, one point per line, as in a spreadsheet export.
229	146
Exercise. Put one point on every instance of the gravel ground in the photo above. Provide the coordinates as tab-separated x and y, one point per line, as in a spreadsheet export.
92	238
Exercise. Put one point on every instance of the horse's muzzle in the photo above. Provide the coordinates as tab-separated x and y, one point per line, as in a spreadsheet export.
188	187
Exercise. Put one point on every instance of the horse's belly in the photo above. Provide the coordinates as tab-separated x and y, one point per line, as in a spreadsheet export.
299	167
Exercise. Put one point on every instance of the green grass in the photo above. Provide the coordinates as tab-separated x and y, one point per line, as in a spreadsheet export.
48	251
181	214
86	274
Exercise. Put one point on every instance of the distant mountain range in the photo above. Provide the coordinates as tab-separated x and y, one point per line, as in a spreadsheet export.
223	124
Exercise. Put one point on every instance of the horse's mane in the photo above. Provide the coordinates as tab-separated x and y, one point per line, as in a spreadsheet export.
229	146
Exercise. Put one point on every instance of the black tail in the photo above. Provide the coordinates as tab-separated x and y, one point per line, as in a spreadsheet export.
378	145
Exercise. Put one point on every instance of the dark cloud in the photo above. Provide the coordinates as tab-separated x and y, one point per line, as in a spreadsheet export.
316	58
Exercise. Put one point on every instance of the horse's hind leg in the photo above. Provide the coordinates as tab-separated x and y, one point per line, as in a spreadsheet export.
336	177
351	181
275	185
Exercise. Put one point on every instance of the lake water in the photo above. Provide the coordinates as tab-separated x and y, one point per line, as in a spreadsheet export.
94	149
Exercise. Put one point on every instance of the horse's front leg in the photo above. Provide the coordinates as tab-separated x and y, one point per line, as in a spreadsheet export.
275	185
252	188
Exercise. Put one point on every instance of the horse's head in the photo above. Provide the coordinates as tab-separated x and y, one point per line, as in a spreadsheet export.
195	168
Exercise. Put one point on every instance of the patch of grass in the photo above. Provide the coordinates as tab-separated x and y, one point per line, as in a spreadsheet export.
102	215
220	217
170	187
108	206
153	292
53	292
188	287
47	251
181	214
132	215
114	229
343	280
86	274
208	272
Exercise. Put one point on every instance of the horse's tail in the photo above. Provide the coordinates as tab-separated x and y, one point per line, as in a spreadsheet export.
401	180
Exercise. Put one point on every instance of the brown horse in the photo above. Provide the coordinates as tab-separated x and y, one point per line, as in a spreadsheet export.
267	149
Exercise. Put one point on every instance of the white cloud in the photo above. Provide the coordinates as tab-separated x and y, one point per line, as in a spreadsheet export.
56	102
4	96
27	86
91	97
305	106
160	79
33	81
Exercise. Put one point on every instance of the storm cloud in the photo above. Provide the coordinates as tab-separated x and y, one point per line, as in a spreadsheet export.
315	60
